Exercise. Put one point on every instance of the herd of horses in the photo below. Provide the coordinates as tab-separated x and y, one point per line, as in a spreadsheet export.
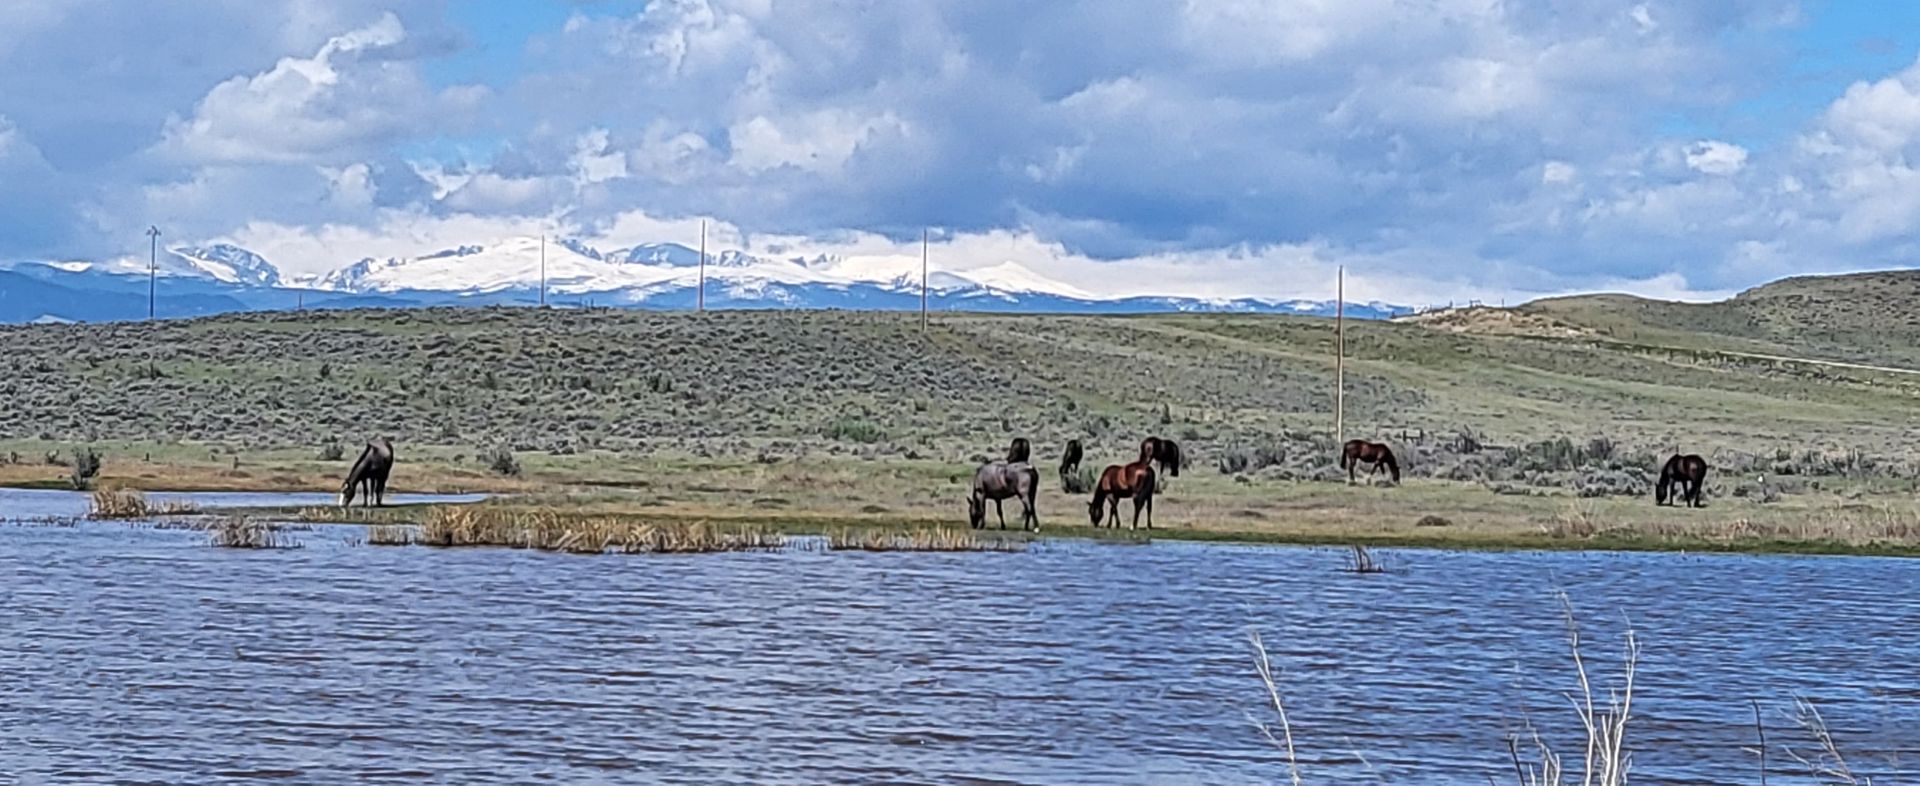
1016	478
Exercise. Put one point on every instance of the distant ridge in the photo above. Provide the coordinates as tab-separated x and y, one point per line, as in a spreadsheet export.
197	281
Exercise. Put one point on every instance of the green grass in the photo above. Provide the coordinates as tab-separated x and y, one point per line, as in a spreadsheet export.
822	419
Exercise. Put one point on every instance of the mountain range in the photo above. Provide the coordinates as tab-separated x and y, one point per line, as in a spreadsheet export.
219	278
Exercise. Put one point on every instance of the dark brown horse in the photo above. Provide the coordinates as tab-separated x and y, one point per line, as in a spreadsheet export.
1164	452
1019	451
1070	461
1684	475
369	474
1372	453
1134	481
997	481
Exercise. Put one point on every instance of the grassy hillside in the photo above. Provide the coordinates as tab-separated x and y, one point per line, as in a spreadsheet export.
1866	318
805	419
872	384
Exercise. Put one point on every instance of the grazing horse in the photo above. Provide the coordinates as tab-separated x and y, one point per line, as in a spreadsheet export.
1164	452
369	474
1019	451
1135	481
1684	475
998	480
1373	453
1070	461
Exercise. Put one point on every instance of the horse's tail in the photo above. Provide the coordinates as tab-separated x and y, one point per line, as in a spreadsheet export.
1346	458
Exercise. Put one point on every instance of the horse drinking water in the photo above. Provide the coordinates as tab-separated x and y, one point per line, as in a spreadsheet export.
997	481
1682	474
369	474
1373	453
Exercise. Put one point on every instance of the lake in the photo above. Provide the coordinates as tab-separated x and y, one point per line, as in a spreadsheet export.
141	655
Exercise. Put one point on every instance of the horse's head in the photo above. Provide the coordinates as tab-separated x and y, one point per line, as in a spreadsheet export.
1660	490
976	512
346	493
1094	511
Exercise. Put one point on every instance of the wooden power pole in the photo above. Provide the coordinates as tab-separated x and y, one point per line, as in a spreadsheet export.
923	281
1340	358
700	297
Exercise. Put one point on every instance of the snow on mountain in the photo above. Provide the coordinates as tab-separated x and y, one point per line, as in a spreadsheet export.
229	264
222	276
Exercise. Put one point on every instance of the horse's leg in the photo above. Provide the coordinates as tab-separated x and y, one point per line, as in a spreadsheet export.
1149	511
1001	513
1353	468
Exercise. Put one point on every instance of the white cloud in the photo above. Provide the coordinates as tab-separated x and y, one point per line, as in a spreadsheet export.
1716	158
337	102
1558	172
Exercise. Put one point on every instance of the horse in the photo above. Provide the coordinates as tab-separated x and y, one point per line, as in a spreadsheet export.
1164	452
998	480
1019	451
1070	461
1134	481
369	474
1682	474
1373	453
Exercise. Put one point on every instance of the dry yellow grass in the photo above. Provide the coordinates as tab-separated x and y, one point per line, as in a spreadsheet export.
240	532
129	504
548	530
925	539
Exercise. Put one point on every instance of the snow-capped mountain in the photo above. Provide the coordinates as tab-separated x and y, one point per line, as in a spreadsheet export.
229	264
224	277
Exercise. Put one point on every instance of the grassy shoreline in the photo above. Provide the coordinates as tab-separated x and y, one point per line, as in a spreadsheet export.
819	525
817	497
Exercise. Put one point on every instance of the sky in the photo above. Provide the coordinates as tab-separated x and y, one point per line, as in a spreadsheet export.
1440	150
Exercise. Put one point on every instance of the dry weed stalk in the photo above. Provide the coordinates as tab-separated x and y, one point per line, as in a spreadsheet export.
1264	667
1827	764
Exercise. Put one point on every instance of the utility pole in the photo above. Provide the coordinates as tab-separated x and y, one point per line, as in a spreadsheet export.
700	296
1340	358
153	267
543	270
923	281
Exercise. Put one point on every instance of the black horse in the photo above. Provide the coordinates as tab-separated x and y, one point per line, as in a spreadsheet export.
369	473
1164	452
1019	451
1070	461
1681	479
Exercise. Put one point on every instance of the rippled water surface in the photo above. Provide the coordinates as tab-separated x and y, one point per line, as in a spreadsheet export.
140	655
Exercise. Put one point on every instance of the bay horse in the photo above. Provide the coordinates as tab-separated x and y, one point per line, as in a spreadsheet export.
1019	451
997	481
1070	461
1373	453
1135	481
1681	479
1164	452
369	474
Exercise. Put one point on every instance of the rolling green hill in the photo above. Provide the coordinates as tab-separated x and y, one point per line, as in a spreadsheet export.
1871	318
870	384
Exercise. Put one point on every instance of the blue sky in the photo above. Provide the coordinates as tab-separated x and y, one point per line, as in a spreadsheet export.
1440	149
